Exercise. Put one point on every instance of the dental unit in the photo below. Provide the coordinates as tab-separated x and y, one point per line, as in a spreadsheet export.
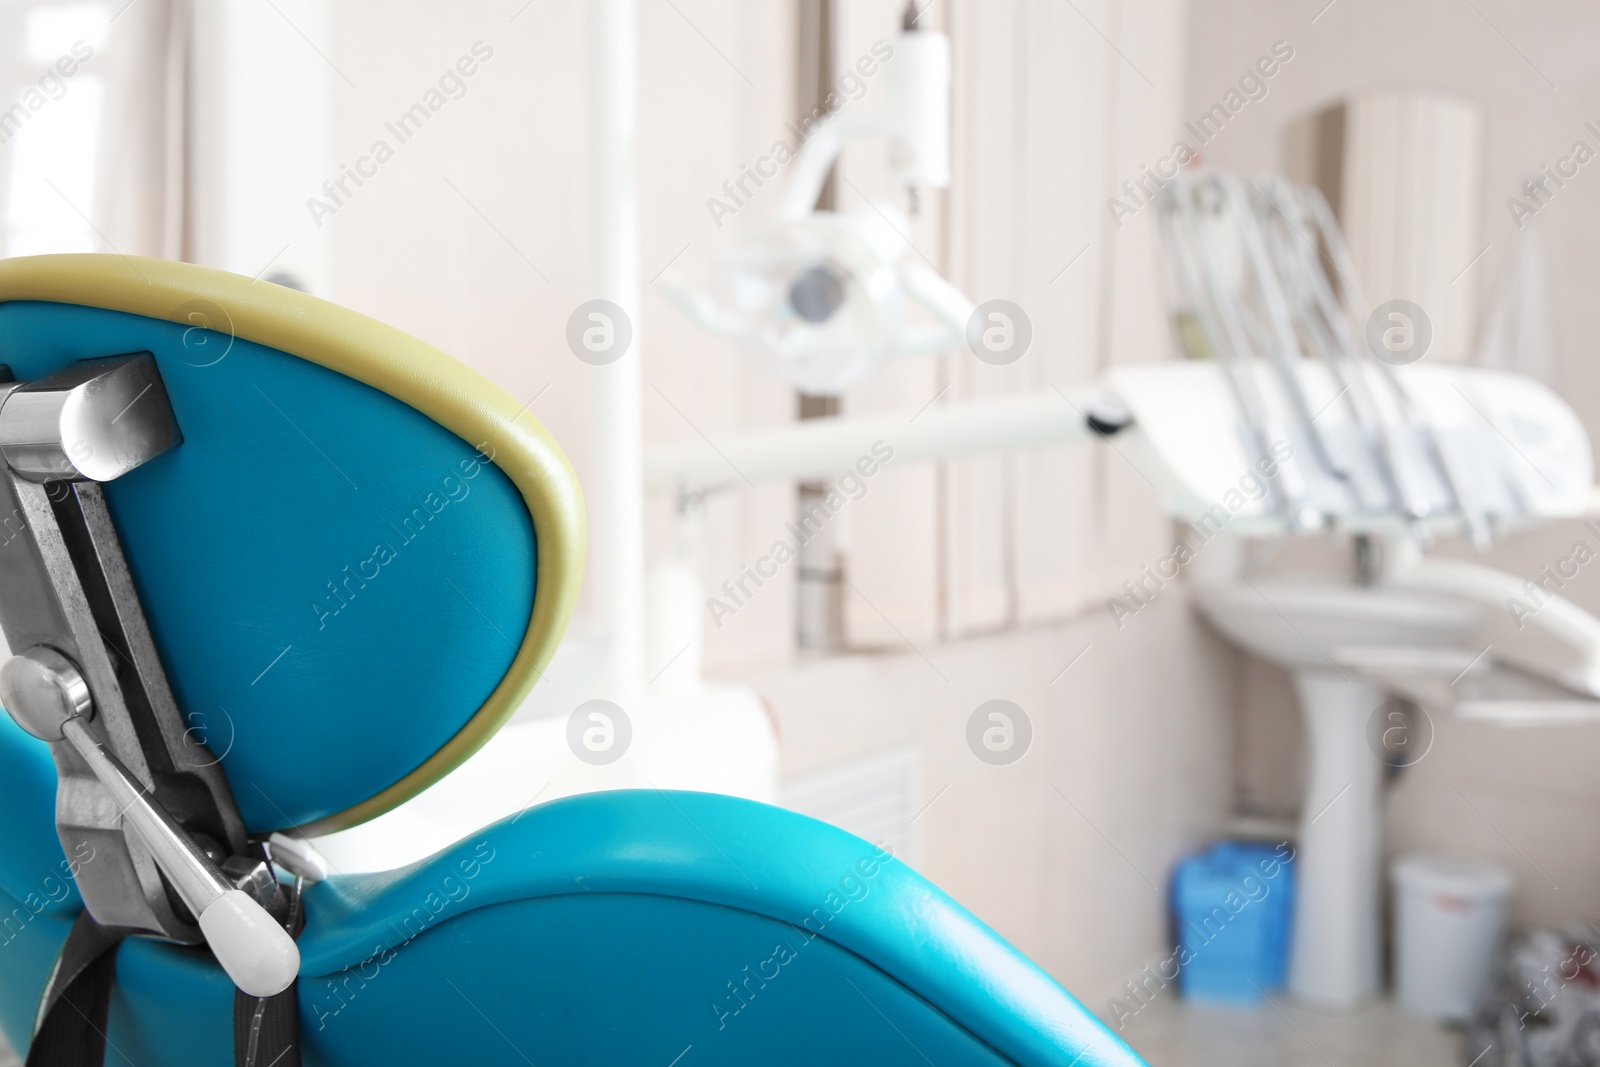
1303	411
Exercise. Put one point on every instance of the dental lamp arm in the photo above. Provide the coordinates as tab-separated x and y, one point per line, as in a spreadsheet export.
932	339
950	305
929	288
696	305
816	157
822	448
911	109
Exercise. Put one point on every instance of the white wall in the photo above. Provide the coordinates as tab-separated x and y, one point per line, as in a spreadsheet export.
1065	852
473	237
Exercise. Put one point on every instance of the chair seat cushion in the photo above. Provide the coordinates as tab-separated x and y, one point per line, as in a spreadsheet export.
694	911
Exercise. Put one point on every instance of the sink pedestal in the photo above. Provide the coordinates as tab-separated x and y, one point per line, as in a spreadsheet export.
1300	625
1334	956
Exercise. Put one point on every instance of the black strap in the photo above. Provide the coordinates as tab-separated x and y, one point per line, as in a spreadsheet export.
72	1020
266	1030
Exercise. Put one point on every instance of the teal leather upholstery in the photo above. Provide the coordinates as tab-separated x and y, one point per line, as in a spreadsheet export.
623	927
37	904
633	924
314	550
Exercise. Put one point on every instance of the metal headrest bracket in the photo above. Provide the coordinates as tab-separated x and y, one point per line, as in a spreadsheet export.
141	803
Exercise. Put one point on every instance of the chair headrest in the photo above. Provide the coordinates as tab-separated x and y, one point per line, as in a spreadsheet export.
361	557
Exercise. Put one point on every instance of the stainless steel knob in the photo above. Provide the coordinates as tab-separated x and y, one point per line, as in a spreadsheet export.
42	689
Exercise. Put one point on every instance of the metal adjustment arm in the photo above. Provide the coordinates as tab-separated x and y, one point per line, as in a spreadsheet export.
65	589
49	698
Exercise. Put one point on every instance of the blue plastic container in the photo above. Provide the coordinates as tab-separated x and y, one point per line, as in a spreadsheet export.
1232	907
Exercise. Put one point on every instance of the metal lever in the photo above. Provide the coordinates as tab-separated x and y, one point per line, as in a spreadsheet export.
48	697
298	856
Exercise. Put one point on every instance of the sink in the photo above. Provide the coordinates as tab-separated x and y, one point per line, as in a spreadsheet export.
1313	629
1307	624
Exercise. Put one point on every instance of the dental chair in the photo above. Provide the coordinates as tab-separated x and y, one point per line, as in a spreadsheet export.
269	568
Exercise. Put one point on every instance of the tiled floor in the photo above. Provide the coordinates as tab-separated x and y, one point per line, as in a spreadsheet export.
1170	1033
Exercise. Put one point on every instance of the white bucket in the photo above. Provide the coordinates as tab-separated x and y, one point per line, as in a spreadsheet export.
1449	918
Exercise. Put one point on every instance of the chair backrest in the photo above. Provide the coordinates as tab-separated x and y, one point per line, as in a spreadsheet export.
360	558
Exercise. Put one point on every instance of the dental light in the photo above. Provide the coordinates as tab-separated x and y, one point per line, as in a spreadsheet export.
816	299
820	298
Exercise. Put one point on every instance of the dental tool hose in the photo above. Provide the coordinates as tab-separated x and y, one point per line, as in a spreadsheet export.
48	697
